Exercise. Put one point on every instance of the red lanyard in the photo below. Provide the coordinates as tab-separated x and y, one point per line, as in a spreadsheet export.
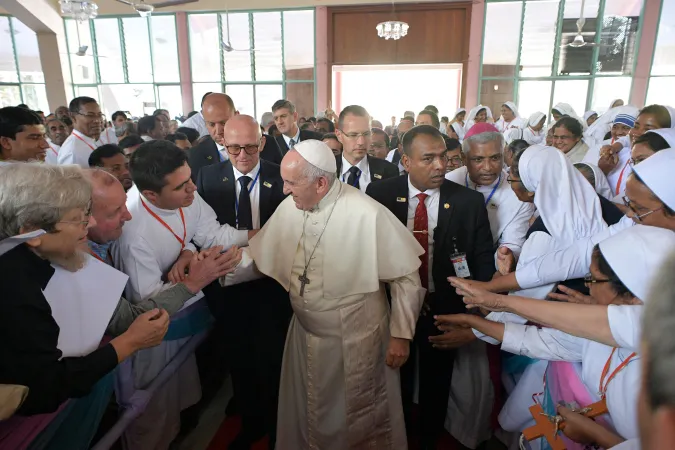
603	389
618	183
182	217
88	145
55	152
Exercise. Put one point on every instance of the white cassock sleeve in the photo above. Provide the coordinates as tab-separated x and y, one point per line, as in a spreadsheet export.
145	275
625	323
406	303
542	343
567	264
514	233
245	271
210	232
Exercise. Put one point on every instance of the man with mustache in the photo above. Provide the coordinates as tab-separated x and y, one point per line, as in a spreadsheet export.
355	167
450	222
112	159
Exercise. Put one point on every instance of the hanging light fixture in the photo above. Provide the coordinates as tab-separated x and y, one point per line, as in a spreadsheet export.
79	10
392	29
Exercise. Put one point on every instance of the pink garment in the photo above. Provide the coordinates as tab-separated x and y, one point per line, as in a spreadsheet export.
17	432
481	127
564	384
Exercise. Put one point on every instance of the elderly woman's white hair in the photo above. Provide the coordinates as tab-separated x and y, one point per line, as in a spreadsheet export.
36	196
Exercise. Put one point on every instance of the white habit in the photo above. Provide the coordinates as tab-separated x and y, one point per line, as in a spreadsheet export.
146	251
336	391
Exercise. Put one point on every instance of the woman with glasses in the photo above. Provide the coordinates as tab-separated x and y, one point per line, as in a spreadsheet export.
584	371
44	221
568	138
86	136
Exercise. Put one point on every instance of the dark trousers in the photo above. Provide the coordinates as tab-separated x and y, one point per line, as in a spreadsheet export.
435	374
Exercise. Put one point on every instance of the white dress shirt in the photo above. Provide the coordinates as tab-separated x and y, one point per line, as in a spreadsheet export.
364	179
390	158
198	123
431	202
295	138
254	193
108	136
76	149
52	153
224	156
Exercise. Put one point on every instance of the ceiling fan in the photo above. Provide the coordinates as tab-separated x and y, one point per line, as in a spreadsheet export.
145	9
227	45
578	40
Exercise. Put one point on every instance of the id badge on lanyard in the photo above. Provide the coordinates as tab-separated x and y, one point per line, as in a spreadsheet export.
459	262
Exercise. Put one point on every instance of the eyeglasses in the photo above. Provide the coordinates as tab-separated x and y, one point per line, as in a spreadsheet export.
588	279
455	160
250	149
365	134
85	222
92	116
562	138
636	216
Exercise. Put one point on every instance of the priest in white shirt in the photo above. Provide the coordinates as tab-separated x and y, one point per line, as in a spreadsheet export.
340	380
86	135
355	167
22	136
57	132
156	247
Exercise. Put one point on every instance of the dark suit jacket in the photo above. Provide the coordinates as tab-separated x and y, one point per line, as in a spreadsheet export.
380	169
465	219
259	309
206	153
304	135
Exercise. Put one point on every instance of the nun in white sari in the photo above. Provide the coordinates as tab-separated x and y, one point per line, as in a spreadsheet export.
470	119
510	118
597	179
564	109
534	133
457	124
621	274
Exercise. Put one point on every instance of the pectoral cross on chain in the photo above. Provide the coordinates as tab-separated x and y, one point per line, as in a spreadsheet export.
303	281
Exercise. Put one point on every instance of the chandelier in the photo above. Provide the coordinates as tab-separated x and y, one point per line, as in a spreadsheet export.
392	29
79	10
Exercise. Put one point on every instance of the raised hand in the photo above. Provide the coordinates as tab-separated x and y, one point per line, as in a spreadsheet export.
506	260
572	296
210	265
177	272
475	296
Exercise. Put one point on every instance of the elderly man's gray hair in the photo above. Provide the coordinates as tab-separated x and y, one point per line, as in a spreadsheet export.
657	328
313	173
36	196
483	138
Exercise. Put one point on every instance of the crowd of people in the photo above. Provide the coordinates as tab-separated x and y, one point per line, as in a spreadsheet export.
504	280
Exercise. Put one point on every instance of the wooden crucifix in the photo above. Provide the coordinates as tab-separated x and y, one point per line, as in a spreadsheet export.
548	427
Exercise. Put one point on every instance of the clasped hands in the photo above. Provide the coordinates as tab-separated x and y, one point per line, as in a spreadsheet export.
204	267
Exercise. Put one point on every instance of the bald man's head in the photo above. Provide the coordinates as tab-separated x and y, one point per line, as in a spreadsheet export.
244	142
217	110
108	206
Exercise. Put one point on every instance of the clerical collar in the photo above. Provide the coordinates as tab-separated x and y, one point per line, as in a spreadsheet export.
101	250
295	138
155	208
328	199
413	191
251	174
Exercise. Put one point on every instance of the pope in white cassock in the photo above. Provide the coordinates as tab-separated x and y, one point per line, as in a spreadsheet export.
333	248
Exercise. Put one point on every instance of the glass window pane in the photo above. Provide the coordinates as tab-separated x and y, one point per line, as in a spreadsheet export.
81	63
661	91
109	49
200	89
28	54
267	39
265	96
237	62
137	46
494	93
572	92
88	91
534	96
619	36
577	60
165	49
35	96
7	62
242	95
302	96
500	42
171	98
204	47
664	52
539	29
9	95
299	45
607	89
138	99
